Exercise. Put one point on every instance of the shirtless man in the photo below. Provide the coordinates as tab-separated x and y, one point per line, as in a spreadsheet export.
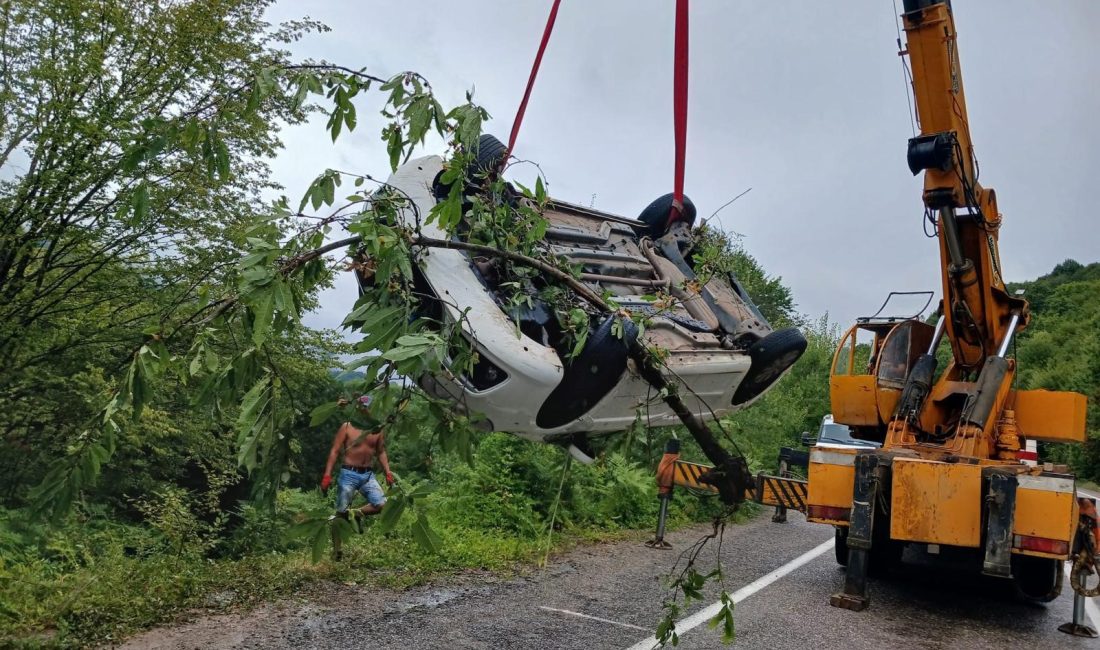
357	473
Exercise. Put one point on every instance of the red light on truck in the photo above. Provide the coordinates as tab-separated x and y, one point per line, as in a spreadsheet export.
831	513
1041	545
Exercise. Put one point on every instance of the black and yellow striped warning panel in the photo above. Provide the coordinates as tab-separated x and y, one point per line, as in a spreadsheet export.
689	475
781	491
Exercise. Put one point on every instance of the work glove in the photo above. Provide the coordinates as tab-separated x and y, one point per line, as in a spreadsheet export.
326	481
389	479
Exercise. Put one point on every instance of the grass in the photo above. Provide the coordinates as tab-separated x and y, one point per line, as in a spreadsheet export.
98	578
95	586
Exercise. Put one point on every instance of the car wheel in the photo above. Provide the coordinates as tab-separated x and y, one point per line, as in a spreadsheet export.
490	156
771	357
656	214
588	377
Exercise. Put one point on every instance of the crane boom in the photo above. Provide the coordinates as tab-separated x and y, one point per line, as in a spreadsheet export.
977	308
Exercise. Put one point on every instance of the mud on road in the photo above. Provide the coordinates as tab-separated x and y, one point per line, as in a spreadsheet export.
609	596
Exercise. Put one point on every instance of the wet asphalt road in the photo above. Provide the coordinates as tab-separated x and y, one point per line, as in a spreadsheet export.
609	596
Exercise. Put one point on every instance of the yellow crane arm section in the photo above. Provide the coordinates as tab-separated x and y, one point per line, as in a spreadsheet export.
978	311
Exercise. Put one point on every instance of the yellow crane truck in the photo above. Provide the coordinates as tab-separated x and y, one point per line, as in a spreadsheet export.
948	472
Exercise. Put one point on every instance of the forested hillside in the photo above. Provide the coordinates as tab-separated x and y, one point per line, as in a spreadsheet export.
1061	349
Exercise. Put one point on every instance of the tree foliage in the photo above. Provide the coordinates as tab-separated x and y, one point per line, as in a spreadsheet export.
1060	350
134	151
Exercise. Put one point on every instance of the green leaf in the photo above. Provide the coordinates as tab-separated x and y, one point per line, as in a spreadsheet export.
253	402
393	147
349	116
470	128
99	452
136	385
419	114
406	352
255	96
140	202
330	190
262	311
133	157
361	311
421	490
89	468
284	300
335	123
391	514
424	535
211	359
319	542
254	419
196	363
439	116
724	617
300	95
221	159
307	528
323	412
448	212
540	190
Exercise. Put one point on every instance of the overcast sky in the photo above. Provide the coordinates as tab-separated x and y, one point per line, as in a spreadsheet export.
804	102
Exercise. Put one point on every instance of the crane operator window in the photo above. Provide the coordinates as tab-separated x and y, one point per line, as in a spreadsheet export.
893	366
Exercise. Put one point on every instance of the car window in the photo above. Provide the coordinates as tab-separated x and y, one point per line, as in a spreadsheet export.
837	432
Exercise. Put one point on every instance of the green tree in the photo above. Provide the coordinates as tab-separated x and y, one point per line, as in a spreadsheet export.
1060	350
125	176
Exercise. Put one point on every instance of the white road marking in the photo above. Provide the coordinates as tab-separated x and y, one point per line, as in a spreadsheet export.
702	616
594	618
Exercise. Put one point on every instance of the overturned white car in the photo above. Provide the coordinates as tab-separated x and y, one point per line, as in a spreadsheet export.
720	349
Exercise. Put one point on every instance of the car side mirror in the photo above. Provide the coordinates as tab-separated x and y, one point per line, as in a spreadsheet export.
808	440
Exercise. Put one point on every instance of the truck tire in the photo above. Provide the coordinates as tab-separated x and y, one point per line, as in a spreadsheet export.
840	545
885	553
771	357
1037	579
885	556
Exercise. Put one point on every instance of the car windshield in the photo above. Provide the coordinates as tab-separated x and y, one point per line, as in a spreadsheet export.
834	432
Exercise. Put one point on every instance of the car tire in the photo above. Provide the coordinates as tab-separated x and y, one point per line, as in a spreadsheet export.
771	357
588	377
489	157
656	214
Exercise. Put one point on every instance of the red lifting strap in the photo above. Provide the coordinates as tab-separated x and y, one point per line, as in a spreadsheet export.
680	107
534	73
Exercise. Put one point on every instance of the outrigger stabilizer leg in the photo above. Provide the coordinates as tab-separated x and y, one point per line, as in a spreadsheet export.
860	529
665	479
1078	626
